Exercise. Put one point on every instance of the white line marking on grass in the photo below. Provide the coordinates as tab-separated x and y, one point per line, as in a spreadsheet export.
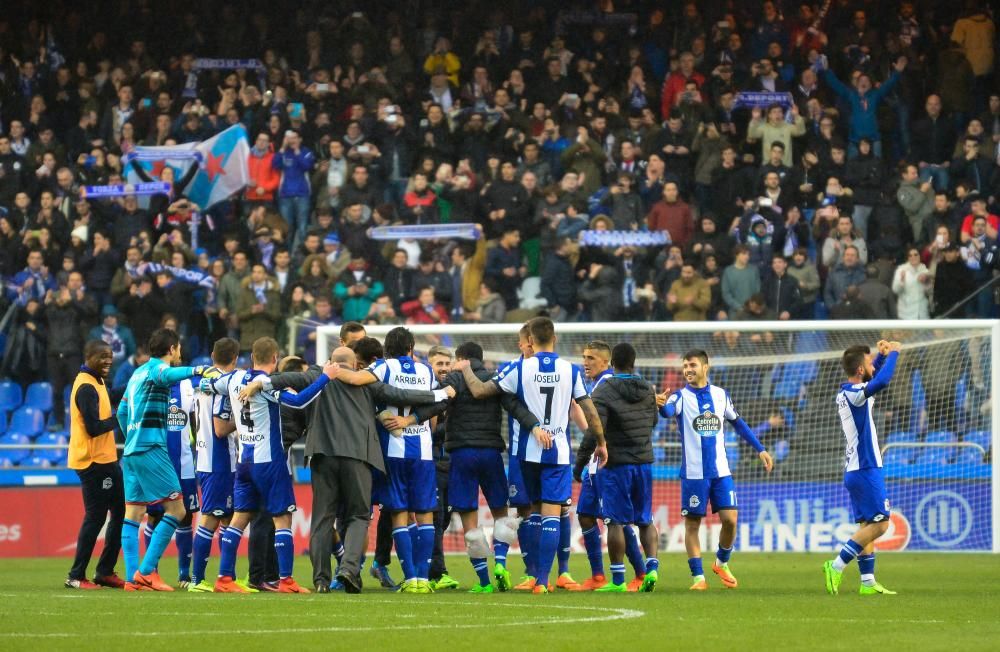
602	615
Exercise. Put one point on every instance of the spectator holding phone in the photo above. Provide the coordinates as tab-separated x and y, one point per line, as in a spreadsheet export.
295	162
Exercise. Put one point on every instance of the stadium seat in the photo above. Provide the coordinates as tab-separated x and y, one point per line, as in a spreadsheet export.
732	452
10	396
39	396
67	390
899	456
202	361
15	456
3	421
50	455
934	457
27	421
243	362
974	455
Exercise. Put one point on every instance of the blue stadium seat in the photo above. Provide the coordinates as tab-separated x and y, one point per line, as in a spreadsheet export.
202	361
3	421
243	362
12	456
973	455
10	396
732	452
50	455
67	390
27	421
937	456
39	396
899	456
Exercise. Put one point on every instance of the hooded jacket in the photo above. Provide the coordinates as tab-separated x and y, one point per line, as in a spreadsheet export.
627	406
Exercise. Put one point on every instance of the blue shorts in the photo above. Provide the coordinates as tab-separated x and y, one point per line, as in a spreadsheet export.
472	468
517	493
695	495
150	477
867	491
548	483
412	485
266	486
588	503
216	492
627	494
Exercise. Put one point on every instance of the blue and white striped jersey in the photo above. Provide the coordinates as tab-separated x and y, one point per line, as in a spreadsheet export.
513	425
180	405
416	442
547	385
601	377
854	405
701	413
214	454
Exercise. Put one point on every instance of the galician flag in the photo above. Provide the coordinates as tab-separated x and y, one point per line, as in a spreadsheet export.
222	160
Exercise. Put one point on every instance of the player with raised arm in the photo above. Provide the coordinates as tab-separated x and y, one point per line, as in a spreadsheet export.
701	409
148	472
863	474
263	472
216	461
626	404
547	385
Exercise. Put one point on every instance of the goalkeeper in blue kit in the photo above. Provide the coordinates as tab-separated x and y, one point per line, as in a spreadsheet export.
863	474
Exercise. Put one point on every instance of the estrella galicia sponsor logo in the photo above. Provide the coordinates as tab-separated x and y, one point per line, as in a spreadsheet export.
943	518
707	423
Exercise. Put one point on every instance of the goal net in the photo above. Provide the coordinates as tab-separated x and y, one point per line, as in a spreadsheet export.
937	424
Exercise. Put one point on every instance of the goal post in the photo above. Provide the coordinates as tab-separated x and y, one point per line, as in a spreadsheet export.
938	422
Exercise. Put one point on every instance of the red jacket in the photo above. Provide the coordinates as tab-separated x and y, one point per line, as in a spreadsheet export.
266	177
675	218
415	313
673	86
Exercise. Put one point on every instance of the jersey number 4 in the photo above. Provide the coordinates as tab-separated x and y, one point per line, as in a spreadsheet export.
245	417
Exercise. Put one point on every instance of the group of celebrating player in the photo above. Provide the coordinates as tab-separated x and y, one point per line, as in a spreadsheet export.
242	465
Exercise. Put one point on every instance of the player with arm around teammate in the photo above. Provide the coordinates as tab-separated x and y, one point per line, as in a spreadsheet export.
548	385
700	409
863	474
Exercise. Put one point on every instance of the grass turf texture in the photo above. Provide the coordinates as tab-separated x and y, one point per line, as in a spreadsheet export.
945	602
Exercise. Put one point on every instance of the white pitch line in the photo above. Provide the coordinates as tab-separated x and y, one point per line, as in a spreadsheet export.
616	614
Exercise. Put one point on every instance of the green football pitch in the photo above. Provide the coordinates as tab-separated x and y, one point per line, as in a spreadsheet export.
945	602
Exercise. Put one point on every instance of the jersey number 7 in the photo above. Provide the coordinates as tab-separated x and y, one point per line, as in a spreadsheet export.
549	392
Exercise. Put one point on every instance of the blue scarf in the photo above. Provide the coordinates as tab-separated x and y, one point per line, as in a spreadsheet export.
624	238
462	231
126	189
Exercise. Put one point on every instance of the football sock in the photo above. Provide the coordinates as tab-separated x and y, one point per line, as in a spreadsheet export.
694	563
633	551
866	565
482	570
184	539
848	552
229	544
618	573
592	541
338	552
423	550
202	550
500	549
722	555
147	536
565	532
534	534
652	564
162	535
404	550
284	548
548	542
523	537
130	547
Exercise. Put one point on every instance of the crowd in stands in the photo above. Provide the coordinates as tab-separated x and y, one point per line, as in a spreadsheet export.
872	194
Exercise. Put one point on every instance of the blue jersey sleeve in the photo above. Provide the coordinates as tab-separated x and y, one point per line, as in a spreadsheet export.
883	376
306	396
744	431
669	409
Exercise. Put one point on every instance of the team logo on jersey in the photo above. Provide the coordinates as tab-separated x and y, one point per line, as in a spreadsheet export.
108	482
546	360
406	365
693	501
706	406
707	423
176	418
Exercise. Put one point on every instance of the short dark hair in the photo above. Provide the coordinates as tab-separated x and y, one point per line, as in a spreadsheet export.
94	347
780	145
161	341
367	349
399	341
225	351
696	354
469	351
350	327
599	345
623	357
542	330
853	358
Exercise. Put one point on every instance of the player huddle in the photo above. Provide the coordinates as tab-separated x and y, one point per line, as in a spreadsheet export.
243	468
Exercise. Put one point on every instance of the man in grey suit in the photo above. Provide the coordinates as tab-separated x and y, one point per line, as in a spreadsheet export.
343	446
